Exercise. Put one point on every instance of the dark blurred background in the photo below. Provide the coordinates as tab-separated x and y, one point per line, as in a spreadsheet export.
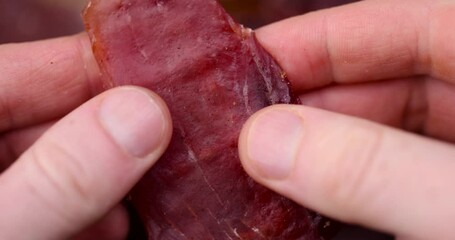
27	20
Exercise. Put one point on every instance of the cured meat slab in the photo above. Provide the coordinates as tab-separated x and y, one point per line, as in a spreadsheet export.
213	75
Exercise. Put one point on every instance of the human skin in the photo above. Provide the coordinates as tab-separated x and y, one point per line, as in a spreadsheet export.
76	155
391	62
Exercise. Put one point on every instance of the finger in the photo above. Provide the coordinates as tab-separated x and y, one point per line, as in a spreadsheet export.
41	81
420	104
365	41
386	102
83	166
113	226
353	170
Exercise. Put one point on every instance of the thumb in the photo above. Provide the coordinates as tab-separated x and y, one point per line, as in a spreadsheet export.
353	170
83	166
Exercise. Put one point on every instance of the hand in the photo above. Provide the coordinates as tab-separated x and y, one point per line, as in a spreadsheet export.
391	62
73	166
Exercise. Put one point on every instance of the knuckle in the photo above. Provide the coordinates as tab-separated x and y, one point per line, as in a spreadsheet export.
348	177
59	180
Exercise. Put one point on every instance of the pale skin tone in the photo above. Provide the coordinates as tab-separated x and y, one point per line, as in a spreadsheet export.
391	62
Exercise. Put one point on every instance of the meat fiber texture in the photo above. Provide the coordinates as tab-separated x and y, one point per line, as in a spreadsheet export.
213	75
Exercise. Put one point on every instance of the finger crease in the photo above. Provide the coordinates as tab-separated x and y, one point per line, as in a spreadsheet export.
364	162
424	60
328	51
48	174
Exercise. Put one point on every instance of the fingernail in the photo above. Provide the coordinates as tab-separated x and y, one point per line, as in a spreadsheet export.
273	141
134	120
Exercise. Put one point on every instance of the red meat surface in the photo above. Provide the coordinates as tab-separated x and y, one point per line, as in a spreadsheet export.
213	75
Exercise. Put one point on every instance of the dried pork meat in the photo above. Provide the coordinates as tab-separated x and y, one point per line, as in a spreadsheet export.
213	75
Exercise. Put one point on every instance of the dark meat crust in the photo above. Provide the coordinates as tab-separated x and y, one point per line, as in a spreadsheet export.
213	75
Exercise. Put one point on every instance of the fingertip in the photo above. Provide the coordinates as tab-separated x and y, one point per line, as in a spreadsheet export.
130	115
269	142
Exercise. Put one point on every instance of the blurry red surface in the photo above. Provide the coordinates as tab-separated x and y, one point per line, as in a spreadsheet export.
26	20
